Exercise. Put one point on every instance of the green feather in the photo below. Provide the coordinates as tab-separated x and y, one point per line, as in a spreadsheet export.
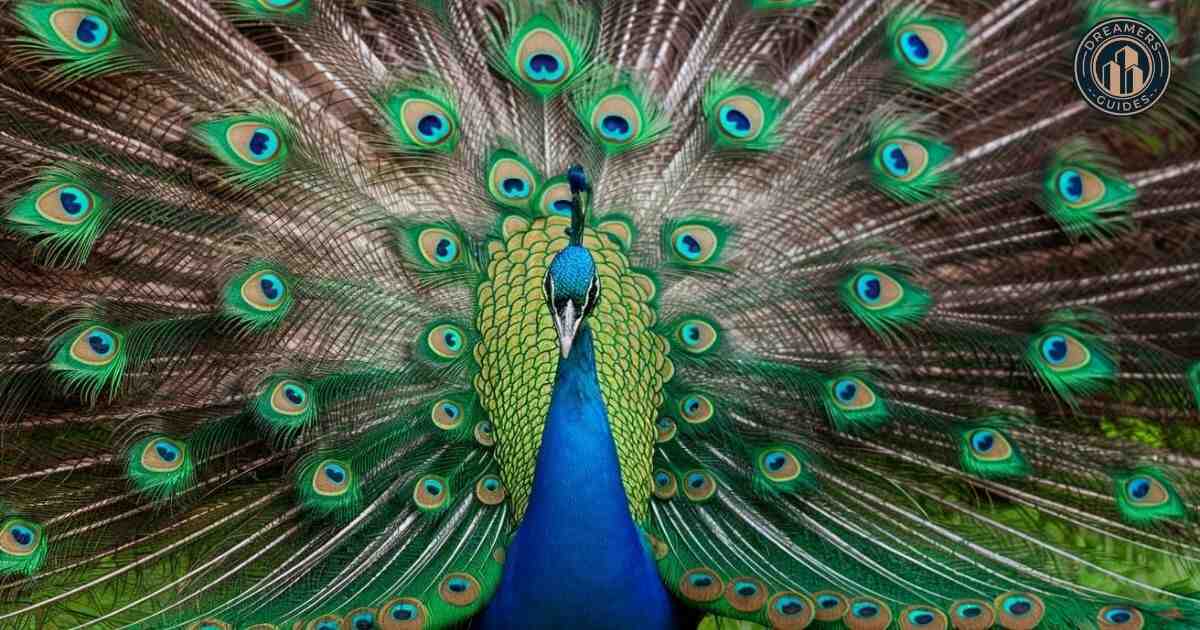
767	5
445	342
90	357
989	452
853	403
83	35
65	211
286	404
1101	10
254	147
329	486
619	118
927	49
549	49
421	117
1145	496
1084	195
1069	360
159	466
695	335
884	298
511	179
439	252
742	116
907	164
268	10
781	468
23	546
694	243
258	297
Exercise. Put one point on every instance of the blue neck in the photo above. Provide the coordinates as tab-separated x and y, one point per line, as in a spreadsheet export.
578	560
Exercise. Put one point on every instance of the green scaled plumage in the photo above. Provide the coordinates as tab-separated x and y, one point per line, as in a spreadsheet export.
1082	192
64	212
905	163
927	49
159	466
84	36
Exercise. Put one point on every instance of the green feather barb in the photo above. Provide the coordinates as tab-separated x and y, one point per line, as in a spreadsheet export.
742	116
159	466
927	49
23	546
91	357
66	211
84	35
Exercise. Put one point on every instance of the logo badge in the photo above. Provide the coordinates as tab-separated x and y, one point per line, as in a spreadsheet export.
1122	66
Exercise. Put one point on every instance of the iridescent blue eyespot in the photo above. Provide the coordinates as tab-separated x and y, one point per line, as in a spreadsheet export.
544	66
696	480
969	611
921	617
1139	487
1054	349
691	334
1118	615
562	206
433	487
846	389
776	460
701	580
335	473
829	601
514	188
735	122
272	287
789	605
661	479
688	247
327	625
22	535
432	127
445	251
403	612
983	441
491	483
101	343
1070	185
915	49
1018	606
91	32
264	143
75	202
458	585
869	288
166	451
363	621
895	160
614	127
864	610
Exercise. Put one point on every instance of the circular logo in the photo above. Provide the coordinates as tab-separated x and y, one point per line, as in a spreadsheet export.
1122	66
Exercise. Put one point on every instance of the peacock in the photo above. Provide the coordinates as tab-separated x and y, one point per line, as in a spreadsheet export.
404	314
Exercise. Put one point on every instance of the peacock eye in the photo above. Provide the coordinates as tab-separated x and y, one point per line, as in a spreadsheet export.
425	121
483	433
66	204
696	409
696	336
904	160
695	244
665	429
616	119
162	455
96	345
741	117
699	485
511	180
851	394
490	490
877	290
279	4
831	606
289	398
790	610
543	58
874	612
446	341
19	537
1020	610
332	478
447	414
81	29
922	46
362	620
431	492
918	617
1120	618
254	142
459	589
1146	491
779	465
556	197
264	291
701	585
328	622
1079	187
972	614
1062	352
403	613
439	247
989	445
665	484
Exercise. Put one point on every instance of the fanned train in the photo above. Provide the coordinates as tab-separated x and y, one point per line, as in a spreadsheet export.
383	314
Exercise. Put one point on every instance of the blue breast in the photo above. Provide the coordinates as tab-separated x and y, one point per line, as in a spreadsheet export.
578	560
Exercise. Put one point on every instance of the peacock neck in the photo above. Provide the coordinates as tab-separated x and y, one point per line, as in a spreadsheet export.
578	558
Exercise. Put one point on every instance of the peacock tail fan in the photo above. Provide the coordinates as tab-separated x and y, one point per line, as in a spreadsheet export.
893	330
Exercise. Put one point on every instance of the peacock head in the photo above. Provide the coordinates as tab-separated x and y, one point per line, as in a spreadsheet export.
572	285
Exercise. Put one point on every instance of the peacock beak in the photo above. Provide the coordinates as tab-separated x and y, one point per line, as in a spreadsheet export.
566	323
